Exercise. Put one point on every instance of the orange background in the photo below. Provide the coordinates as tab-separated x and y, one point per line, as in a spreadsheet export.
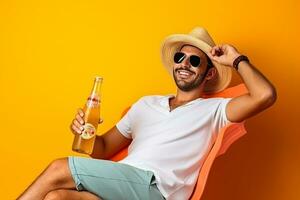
50	52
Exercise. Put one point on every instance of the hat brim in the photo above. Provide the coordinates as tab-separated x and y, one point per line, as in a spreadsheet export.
173	44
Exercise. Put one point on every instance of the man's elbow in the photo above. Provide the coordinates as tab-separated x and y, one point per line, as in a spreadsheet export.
269	97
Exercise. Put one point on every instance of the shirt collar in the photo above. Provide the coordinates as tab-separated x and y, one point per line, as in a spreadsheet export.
164	101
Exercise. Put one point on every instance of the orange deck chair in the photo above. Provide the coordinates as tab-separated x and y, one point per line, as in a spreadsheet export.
227	136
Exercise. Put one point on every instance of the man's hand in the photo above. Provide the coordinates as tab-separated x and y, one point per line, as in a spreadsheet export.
78	122
224	54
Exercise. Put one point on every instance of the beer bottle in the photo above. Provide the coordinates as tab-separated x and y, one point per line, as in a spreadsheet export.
84	143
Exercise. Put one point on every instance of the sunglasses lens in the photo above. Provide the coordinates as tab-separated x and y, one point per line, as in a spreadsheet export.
195	61
178	57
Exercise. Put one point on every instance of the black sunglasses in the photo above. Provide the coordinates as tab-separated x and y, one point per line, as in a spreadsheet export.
194	60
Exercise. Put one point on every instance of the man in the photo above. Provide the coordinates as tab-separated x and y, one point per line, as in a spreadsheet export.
168	136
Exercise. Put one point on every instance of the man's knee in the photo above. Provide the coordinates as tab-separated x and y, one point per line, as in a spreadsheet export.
59	164
58	170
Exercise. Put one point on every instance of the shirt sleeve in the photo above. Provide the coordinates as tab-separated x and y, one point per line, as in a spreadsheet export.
125	125
220	118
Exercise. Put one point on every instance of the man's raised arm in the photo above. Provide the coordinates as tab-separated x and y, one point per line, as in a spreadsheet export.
262	94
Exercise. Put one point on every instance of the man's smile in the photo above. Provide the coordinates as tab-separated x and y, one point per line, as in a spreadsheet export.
184	73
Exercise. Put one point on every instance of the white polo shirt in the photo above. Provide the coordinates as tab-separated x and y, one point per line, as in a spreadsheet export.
172	144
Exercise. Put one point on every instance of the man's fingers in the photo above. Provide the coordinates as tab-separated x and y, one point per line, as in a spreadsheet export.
75	129
217	50
77	124
80	111
213	51
214	58
80	119
224	47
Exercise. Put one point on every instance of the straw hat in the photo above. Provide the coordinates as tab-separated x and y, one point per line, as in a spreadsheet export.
200	38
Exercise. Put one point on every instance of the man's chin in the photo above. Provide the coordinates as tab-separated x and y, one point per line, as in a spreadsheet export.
184	82
184	87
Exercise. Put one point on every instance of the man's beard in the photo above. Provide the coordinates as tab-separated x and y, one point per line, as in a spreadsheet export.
188	86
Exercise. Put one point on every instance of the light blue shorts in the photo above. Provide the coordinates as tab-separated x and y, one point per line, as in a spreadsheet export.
111	180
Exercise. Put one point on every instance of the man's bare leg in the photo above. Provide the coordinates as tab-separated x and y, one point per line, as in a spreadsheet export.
65	194
56	176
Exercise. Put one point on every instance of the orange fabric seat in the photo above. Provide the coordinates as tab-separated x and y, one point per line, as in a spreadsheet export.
227	136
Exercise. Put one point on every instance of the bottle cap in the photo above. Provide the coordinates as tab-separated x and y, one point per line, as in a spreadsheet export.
98	78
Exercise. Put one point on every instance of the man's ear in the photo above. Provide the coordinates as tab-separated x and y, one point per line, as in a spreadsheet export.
212	72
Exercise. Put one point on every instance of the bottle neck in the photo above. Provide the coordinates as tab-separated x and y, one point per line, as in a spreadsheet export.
94	99
96	91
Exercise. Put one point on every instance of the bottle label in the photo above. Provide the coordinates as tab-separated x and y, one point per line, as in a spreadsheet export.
93	102
88	132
